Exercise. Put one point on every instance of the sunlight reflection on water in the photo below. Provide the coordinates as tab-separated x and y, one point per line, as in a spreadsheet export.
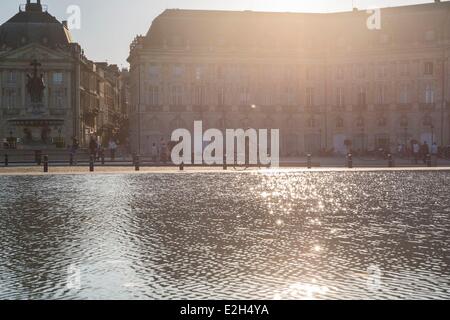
282	235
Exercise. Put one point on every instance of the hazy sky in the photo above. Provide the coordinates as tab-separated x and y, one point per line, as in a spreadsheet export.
109	26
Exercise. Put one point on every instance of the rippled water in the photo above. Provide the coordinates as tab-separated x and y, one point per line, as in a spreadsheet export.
287	235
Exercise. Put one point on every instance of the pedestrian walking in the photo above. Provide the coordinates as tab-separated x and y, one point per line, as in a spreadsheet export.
112	149
416	152
154	152
425	151
434	153
74	149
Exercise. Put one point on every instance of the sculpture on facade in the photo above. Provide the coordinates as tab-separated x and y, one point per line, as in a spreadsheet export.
35	84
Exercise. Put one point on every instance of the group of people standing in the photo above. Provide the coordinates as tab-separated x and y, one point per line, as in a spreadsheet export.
159	152
419	151
96	149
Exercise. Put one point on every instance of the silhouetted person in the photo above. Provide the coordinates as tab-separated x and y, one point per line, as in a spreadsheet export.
416	152
425	151
74	149
93	147
112	149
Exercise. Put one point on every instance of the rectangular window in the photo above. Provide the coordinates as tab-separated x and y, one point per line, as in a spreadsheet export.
153	96
360	72
11	77
362	97
309	97
176	95
57	78
59	98
382	71
429	68
429	94
199	73
340	73
221	97
154	72
199	96
290	96
177	71
10	98
404	68
245	96
340	99
220	73
404	94
310	73
381	94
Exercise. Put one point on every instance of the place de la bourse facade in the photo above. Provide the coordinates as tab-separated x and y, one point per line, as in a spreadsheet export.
327	81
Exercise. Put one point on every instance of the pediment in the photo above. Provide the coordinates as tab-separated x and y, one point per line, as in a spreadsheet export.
34	51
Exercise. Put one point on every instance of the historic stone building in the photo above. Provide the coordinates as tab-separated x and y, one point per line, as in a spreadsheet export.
327	81
50	92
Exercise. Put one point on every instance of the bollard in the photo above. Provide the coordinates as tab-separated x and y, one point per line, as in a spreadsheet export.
429	164
136	163
6	160
309	161
71	159
45	164
390	161
225	165
102	156
91	164
182	166
350	161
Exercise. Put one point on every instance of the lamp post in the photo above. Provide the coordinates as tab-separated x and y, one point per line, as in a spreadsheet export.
432	134
406	141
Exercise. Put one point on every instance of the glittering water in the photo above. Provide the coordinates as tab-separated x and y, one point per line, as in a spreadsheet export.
288	235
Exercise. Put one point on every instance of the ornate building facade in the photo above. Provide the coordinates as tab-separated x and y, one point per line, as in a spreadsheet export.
327	81
50	91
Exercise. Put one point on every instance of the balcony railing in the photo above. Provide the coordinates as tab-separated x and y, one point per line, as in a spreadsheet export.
360	108
154	108
200	108
177	108
288	109
425	107
58	112
404	107
312	109
381	107
11	112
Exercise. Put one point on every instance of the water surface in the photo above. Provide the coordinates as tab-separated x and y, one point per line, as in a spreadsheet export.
287	235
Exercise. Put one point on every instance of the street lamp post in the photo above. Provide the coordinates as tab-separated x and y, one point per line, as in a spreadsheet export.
432	134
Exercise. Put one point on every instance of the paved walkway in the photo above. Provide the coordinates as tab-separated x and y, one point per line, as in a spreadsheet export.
64	170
